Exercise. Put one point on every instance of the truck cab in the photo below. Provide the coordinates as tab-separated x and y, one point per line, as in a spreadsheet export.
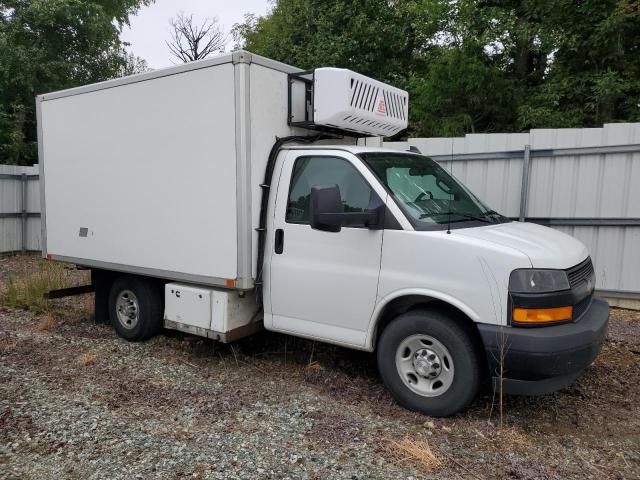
385	251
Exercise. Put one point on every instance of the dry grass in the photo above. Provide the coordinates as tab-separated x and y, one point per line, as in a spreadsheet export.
47	324
27	292
87	359
512	436
413	451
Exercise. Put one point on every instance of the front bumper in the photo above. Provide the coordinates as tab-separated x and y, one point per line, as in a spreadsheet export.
545	359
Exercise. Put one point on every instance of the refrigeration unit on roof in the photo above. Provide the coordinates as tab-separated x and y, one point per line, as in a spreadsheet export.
337	99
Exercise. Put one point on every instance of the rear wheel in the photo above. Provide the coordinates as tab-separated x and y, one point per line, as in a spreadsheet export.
136	307
429	363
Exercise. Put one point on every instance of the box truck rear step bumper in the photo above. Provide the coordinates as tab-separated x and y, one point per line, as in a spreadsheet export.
69	292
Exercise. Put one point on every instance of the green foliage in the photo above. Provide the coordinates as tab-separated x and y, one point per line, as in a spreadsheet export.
371	36
471	65
595	74
460	91
48	45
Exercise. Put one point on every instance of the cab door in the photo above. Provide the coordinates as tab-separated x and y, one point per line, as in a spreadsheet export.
322	284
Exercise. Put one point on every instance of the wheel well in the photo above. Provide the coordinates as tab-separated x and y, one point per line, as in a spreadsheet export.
401	305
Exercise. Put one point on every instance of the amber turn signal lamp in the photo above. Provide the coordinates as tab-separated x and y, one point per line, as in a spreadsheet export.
542	315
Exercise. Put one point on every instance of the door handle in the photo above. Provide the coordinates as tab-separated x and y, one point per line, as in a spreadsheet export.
279	241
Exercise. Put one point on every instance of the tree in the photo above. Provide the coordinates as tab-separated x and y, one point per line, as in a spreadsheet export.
190	41
376	37
461	91
132	65
595	74
52	45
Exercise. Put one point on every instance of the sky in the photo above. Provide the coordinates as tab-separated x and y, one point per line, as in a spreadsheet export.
150	28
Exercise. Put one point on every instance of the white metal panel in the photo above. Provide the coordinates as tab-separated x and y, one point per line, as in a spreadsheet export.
33	235
10	235
188	305
18	169
11	202
149	168
205	308
231	311
615	255
495	182
587	185
10	189
33	195
268	101
472	143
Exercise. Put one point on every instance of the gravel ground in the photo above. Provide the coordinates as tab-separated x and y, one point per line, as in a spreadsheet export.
78	402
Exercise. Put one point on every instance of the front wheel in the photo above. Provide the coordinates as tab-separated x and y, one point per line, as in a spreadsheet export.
429	363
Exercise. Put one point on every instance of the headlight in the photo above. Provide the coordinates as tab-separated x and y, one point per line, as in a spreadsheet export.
530	280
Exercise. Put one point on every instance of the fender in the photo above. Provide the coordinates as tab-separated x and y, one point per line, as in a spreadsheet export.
422	292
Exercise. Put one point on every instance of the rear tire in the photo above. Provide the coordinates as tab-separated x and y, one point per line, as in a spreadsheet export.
429	363
136	307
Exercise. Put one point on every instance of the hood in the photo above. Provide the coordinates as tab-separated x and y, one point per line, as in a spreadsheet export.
545	247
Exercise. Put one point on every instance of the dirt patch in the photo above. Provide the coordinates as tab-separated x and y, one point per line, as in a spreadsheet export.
626	326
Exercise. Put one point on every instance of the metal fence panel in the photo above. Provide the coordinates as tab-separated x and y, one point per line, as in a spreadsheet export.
587	185
615	252
19	208
10	235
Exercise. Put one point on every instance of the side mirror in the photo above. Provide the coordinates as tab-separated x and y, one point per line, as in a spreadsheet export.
327	212
326	206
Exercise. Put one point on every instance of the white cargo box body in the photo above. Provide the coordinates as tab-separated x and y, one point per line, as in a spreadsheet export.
159	173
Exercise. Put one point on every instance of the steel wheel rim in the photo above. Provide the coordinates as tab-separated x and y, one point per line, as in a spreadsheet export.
127	309
425	365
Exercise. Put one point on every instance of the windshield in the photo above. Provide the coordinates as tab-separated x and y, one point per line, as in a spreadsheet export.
426	192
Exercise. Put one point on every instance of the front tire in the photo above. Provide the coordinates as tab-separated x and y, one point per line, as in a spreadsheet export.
429	363
136	308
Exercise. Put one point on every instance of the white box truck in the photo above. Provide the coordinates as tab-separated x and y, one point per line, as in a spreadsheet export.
230	194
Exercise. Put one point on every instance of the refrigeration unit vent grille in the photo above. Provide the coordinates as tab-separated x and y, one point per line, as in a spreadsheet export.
341	100
365	96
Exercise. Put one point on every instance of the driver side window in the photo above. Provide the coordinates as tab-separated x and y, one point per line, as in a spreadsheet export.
311	171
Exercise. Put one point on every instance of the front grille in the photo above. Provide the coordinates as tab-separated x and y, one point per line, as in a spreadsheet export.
580	272
581	306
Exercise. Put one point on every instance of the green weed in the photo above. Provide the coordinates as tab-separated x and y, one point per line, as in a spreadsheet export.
27	292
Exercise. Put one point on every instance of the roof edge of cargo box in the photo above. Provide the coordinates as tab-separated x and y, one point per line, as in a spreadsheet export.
237	57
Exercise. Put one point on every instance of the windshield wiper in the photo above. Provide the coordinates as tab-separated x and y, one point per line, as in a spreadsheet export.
494	214
465	215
